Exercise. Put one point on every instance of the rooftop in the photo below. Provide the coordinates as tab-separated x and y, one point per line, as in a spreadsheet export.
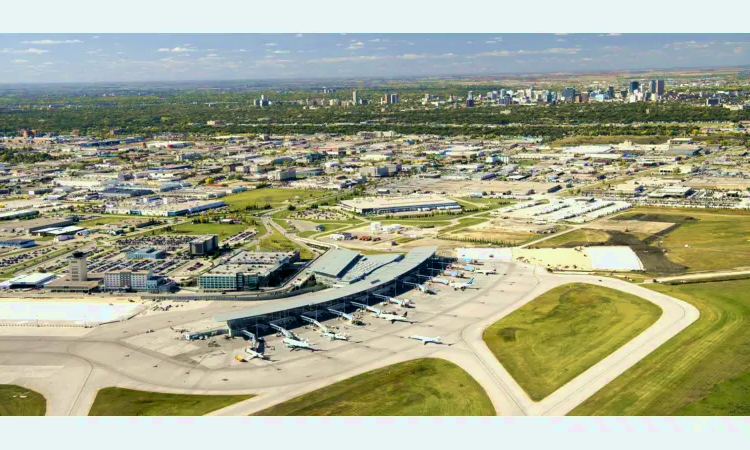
375	280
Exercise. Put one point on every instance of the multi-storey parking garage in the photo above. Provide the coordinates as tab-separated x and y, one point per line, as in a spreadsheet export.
390	279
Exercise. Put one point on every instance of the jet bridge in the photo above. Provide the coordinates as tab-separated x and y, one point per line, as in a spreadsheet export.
322	327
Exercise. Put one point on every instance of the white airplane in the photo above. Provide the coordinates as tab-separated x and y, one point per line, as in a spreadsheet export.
456	286
404	303
486	271
294	344
441	281
255	354
394	317
335	336
425	340
422	288
368	308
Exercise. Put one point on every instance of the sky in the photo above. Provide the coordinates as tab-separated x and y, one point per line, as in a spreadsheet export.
52	58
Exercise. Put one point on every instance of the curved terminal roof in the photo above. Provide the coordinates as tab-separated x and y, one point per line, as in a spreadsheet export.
379	277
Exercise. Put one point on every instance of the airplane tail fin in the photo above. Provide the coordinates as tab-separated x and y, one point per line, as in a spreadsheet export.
405	313
471	281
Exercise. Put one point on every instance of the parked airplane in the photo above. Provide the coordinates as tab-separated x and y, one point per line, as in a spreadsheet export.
425	340
368	308
394	317
255	354
335	336
294	344
404	303
441	281
456	286
486	271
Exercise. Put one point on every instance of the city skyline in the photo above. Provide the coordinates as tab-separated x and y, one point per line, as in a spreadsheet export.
93	58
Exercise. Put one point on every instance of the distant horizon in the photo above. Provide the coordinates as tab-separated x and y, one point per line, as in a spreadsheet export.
30	59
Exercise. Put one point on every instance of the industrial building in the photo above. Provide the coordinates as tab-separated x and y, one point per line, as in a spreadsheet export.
146	253
204	245
167	210
33	280
18	214
17	243
33	225
388	205
247	271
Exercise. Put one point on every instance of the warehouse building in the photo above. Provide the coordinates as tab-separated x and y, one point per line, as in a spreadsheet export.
17	243
391	279
146	253
389	205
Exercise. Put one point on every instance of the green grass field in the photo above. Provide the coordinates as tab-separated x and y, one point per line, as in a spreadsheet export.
580	235
114	401
330	227
715	240
701	371
421	387
464	223
223	230
557	336
274	196
276	242
19	401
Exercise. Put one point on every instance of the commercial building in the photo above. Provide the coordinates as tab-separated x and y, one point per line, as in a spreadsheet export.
388	279
17	243
121	192
204	245
247	271
18	214
126	280
146	253
388	205
633	86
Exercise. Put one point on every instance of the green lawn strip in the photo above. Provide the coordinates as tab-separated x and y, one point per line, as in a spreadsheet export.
463	223
730	398
328	229
20	401
563	332
223	230
276	242
273	196
421	387
692	365
114	401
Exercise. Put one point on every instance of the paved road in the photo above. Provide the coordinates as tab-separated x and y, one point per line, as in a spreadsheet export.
699	276
103	357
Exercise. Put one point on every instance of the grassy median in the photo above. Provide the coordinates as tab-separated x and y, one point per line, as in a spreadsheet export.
114	401
701	371
563	332
421	387
19	401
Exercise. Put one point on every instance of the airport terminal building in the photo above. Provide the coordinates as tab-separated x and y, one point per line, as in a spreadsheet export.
388	278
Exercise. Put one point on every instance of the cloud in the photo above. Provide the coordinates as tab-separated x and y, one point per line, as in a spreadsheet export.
298	35
271	44
612	34
356	45
28	51
94	37
738	49
94	52
490	42
411	56
51	42
49	63
374	40
279	52
20	61
176	49
548	51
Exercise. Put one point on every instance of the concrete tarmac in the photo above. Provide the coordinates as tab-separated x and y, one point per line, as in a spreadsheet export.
69	370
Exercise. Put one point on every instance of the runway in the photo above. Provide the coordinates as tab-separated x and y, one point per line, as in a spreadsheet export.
103	358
